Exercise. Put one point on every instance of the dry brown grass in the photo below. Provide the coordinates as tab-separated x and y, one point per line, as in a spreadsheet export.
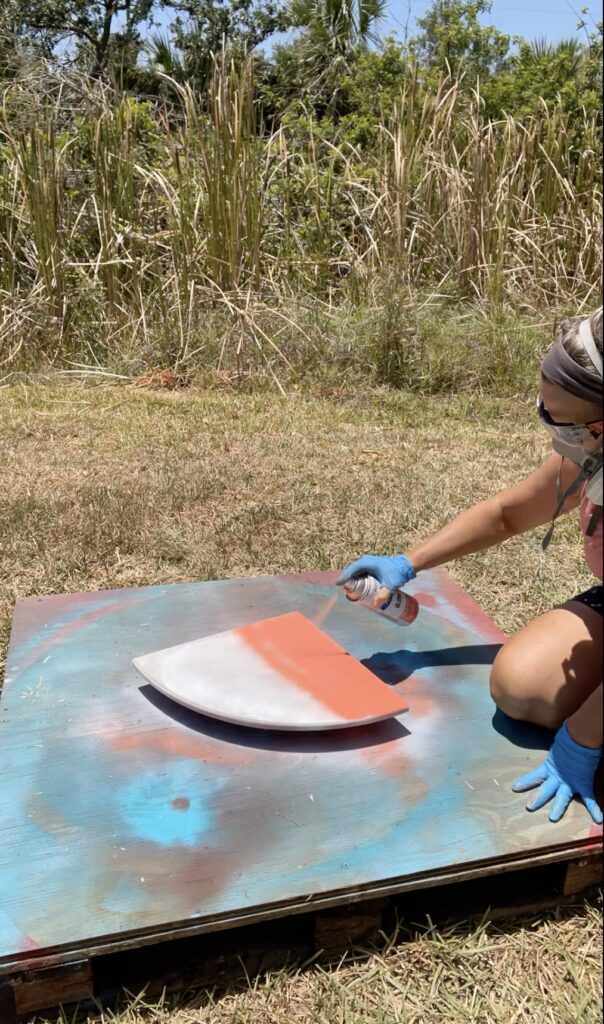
105	487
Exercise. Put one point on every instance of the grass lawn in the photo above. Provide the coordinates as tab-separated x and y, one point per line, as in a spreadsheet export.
107	487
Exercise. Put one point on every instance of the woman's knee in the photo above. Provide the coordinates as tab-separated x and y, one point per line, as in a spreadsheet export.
546	671
513	688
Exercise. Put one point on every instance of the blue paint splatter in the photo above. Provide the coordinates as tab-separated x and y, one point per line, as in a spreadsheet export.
164	805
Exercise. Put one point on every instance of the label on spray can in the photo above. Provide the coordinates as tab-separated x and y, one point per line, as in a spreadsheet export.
405	607
401	607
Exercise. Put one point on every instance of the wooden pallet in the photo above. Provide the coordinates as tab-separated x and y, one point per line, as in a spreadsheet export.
141	841
241	953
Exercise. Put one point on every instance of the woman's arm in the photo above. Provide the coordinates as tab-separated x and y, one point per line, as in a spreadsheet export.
528	504
585	726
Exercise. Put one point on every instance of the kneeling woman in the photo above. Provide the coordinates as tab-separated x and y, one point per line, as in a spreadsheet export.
550	673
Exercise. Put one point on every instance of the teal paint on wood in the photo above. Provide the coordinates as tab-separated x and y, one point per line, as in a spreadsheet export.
122	812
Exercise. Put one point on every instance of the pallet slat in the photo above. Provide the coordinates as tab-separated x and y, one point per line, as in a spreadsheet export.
583	874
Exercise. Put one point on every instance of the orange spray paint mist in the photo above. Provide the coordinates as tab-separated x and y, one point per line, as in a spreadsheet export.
401	607
325	610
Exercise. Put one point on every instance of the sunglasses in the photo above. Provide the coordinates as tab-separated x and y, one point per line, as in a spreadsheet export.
577	432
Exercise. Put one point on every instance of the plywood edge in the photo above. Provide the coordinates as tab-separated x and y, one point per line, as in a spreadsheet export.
582	850
467	605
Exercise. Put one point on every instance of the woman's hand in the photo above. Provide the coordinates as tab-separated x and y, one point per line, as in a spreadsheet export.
392	571
568	770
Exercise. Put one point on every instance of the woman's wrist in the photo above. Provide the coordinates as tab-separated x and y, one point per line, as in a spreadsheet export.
416	560
407	557
585	736
585	725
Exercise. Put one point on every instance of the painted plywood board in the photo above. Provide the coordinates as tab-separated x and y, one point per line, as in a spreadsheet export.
279	673
123	814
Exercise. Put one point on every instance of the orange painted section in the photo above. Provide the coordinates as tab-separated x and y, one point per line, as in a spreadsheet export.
175	743
316	664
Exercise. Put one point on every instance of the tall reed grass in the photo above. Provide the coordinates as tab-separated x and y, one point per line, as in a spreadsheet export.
127	228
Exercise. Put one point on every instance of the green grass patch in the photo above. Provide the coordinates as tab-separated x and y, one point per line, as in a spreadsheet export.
393	338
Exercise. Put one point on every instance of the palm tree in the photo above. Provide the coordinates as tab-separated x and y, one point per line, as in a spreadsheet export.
164	58
337	27
332	32
542	47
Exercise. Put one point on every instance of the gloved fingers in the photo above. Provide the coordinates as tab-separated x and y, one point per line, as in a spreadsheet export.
592	806
351	570
381	597
563	798
546	791
530	780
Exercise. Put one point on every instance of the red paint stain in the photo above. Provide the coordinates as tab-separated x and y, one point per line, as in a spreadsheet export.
70	628
419	702
388	760
422	706
425	600
316	664
181	883
181	803
46	819
179	744
451	593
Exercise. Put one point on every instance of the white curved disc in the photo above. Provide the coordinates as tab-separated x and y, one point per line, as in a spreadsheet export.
280	673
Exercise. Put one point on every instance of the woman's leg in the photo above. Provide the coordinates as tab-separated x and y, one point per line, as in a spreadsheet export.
547	670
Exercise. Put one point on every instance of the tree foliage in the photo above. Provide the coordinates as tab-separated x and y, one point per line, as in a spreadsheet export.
89	24
337	27
202	27
568	73
314	68
332	67
453	37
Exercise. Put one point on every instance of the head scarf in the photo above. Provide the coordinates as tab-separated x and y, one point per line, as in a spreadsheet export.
560	368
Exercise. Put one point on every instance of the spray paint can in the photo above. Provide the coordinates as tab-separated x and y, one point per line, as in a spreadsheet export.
400	607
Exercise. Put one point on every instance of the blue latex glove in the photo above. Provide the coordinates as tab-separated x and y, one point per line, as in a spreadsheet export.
391	571
567	770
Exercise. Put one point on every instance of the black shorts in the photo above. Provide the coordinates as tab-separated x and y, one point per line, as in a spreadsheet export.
592	598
